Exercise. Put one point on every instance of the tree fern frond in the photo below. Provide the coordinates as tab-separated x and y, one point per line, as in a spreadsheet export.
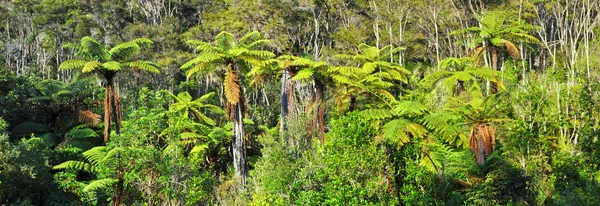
512	49
370	114
72	64
410	108
225	41
72	164
304	74
91	66
95	155
89	118
249	38
81	133
257	44
92	49
395	131
123	51
232	88
204	57
148	66
101	184
27	128
112	66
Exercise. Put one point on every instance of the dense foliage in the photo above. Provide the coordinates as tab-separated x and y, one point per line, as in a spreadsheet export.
300	102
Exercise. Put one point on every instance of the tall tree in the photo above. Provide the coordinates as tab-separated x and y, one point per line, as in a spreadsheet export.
494	35
375	75
234	56
95	57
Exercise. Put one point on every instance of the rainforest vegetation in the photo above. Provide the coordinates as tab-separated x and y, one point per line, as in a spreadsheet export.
299	102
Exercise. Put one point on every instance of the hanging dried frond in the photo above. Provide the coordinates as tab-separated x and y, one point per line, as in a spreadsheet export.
512	49
89	118
232	87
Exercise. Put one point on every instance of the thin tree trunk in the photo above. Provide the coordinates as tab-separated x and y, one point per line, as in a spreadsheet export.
321	111
284	102
107	107
240	161
117	198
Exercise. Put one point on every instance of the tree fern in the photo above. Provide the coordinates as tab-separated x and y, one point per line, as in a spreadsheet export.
101	184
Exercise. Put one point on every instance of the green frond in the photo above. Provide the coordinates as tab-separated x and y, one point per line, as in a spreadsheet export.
81	133
123	51
225	41
112	66
411	108
369	67
190	135
92	49
148	66
260	54
525	38
91	66
370	114
204	118
249	37
485	74
72	164
101	184
72	64
204	57
258	43
396	131
95	155
430	80
199	149
304	74
344	56
27	128
112	153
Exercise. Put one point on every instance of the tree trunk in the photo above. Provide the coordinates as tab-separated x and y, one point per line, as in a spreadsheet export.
107	107
117	198
284	102
111	107
240	161
320	106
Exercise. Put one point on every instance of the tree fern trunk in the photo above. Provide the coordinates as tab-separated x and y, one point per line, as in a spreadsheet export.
116	111
117	198
284	102
107	107
320	105
240	161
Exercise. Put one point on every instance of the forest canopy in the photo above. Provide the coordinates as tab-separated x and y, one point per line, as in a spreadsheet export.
299	102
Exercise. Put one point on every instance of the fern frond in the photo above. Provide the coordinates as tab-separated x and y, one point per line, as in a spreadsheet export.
91	66
304	74
95	155
72	64
225	41
81	133
101	184
92	49
249	37
371	114
123	51
512	49
72	164
88	118
148	66
112	66
232	88
204	57
411	108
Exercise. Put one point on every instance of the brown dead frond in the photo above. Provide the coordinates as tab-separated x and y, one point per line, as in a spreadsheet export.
89	118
